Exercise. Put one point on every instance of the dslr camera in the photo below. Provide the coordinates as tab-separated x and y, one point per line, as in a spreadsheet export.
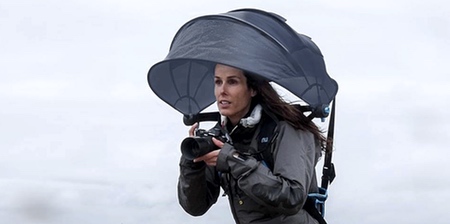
201	143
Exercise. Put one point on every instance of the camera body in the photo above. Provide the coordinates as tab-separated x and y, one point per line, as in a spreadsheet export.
201	143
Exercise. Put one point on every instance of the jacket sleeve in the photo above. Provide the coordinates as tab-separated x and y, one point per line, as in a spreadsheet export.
285	189
198	187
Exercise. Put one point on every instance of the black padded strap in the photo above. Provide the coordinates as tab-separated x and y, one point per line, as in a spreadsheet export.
328	172
267	134
310	207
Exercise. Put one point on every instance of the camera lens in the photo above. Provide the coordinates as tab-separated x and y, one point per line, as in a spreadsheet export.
194	147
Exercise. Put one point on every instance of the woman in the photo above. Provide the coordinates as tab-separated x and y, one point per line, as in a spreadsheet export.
257	193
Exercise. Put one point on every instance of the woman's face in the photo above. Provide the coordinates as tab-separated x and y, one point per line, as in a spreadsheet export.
231	91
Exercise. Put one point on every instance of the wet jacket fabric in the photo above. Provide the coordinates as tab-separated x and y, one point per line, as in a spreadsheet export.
256	194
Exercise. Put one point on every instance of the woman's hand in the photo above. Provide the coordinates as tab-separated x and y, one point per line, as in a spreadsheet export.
192	129
211	158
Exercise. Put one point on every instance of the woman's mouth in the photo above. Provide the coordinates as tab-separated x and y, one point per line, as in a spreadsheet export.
224	102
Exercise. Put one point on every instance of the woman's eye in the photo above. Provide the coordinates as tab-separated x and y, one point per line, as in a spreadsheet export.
218	82
232	81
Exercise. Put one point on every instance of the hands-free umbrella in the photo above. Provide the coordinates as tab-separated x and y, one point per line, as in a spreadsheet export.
253	40
258	42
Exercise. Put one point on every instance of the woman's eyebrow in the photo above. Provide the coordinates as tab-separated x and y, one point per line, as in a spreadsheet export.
229	77
234	77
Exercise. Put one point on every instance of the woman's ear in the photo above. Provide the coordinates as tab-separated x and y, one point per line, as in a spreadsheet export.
253	92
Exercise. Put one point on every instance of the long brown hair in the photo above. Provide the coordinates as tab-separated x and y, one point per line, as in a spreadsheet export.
271	101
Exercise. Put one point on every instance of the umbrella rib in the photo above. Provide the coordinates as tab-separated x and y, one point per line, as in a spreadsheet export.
173	81
309	88
188	85
199	83
271	37
190	99
317	90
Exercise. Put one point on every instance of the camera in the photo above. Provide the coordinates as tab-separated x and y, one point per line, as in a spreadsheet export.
201	143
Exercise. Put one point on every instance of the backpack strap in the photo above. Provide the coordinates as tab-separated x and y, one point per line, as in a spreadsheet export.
310	206
266	136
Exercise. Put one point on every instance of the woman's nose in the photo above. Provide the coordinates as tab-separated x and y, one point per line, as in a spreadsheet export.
222	89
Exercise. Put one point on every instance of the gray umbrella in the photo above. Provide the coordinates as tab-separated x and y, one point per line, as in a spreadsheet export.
256	41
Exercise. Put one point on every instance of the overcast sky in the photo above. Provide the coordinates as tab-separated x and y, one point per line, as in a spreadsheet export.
83	139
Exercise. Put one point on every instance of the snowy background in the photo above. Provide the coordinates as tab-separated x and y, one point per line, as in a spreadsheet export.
83	139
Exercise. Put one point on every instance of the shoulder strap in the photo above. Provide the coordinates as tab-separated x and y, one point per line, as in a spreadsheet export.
311	208
267	134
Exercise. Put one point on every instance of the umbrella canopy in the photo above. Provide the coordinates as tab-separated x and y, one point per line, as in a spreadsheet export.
256	41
